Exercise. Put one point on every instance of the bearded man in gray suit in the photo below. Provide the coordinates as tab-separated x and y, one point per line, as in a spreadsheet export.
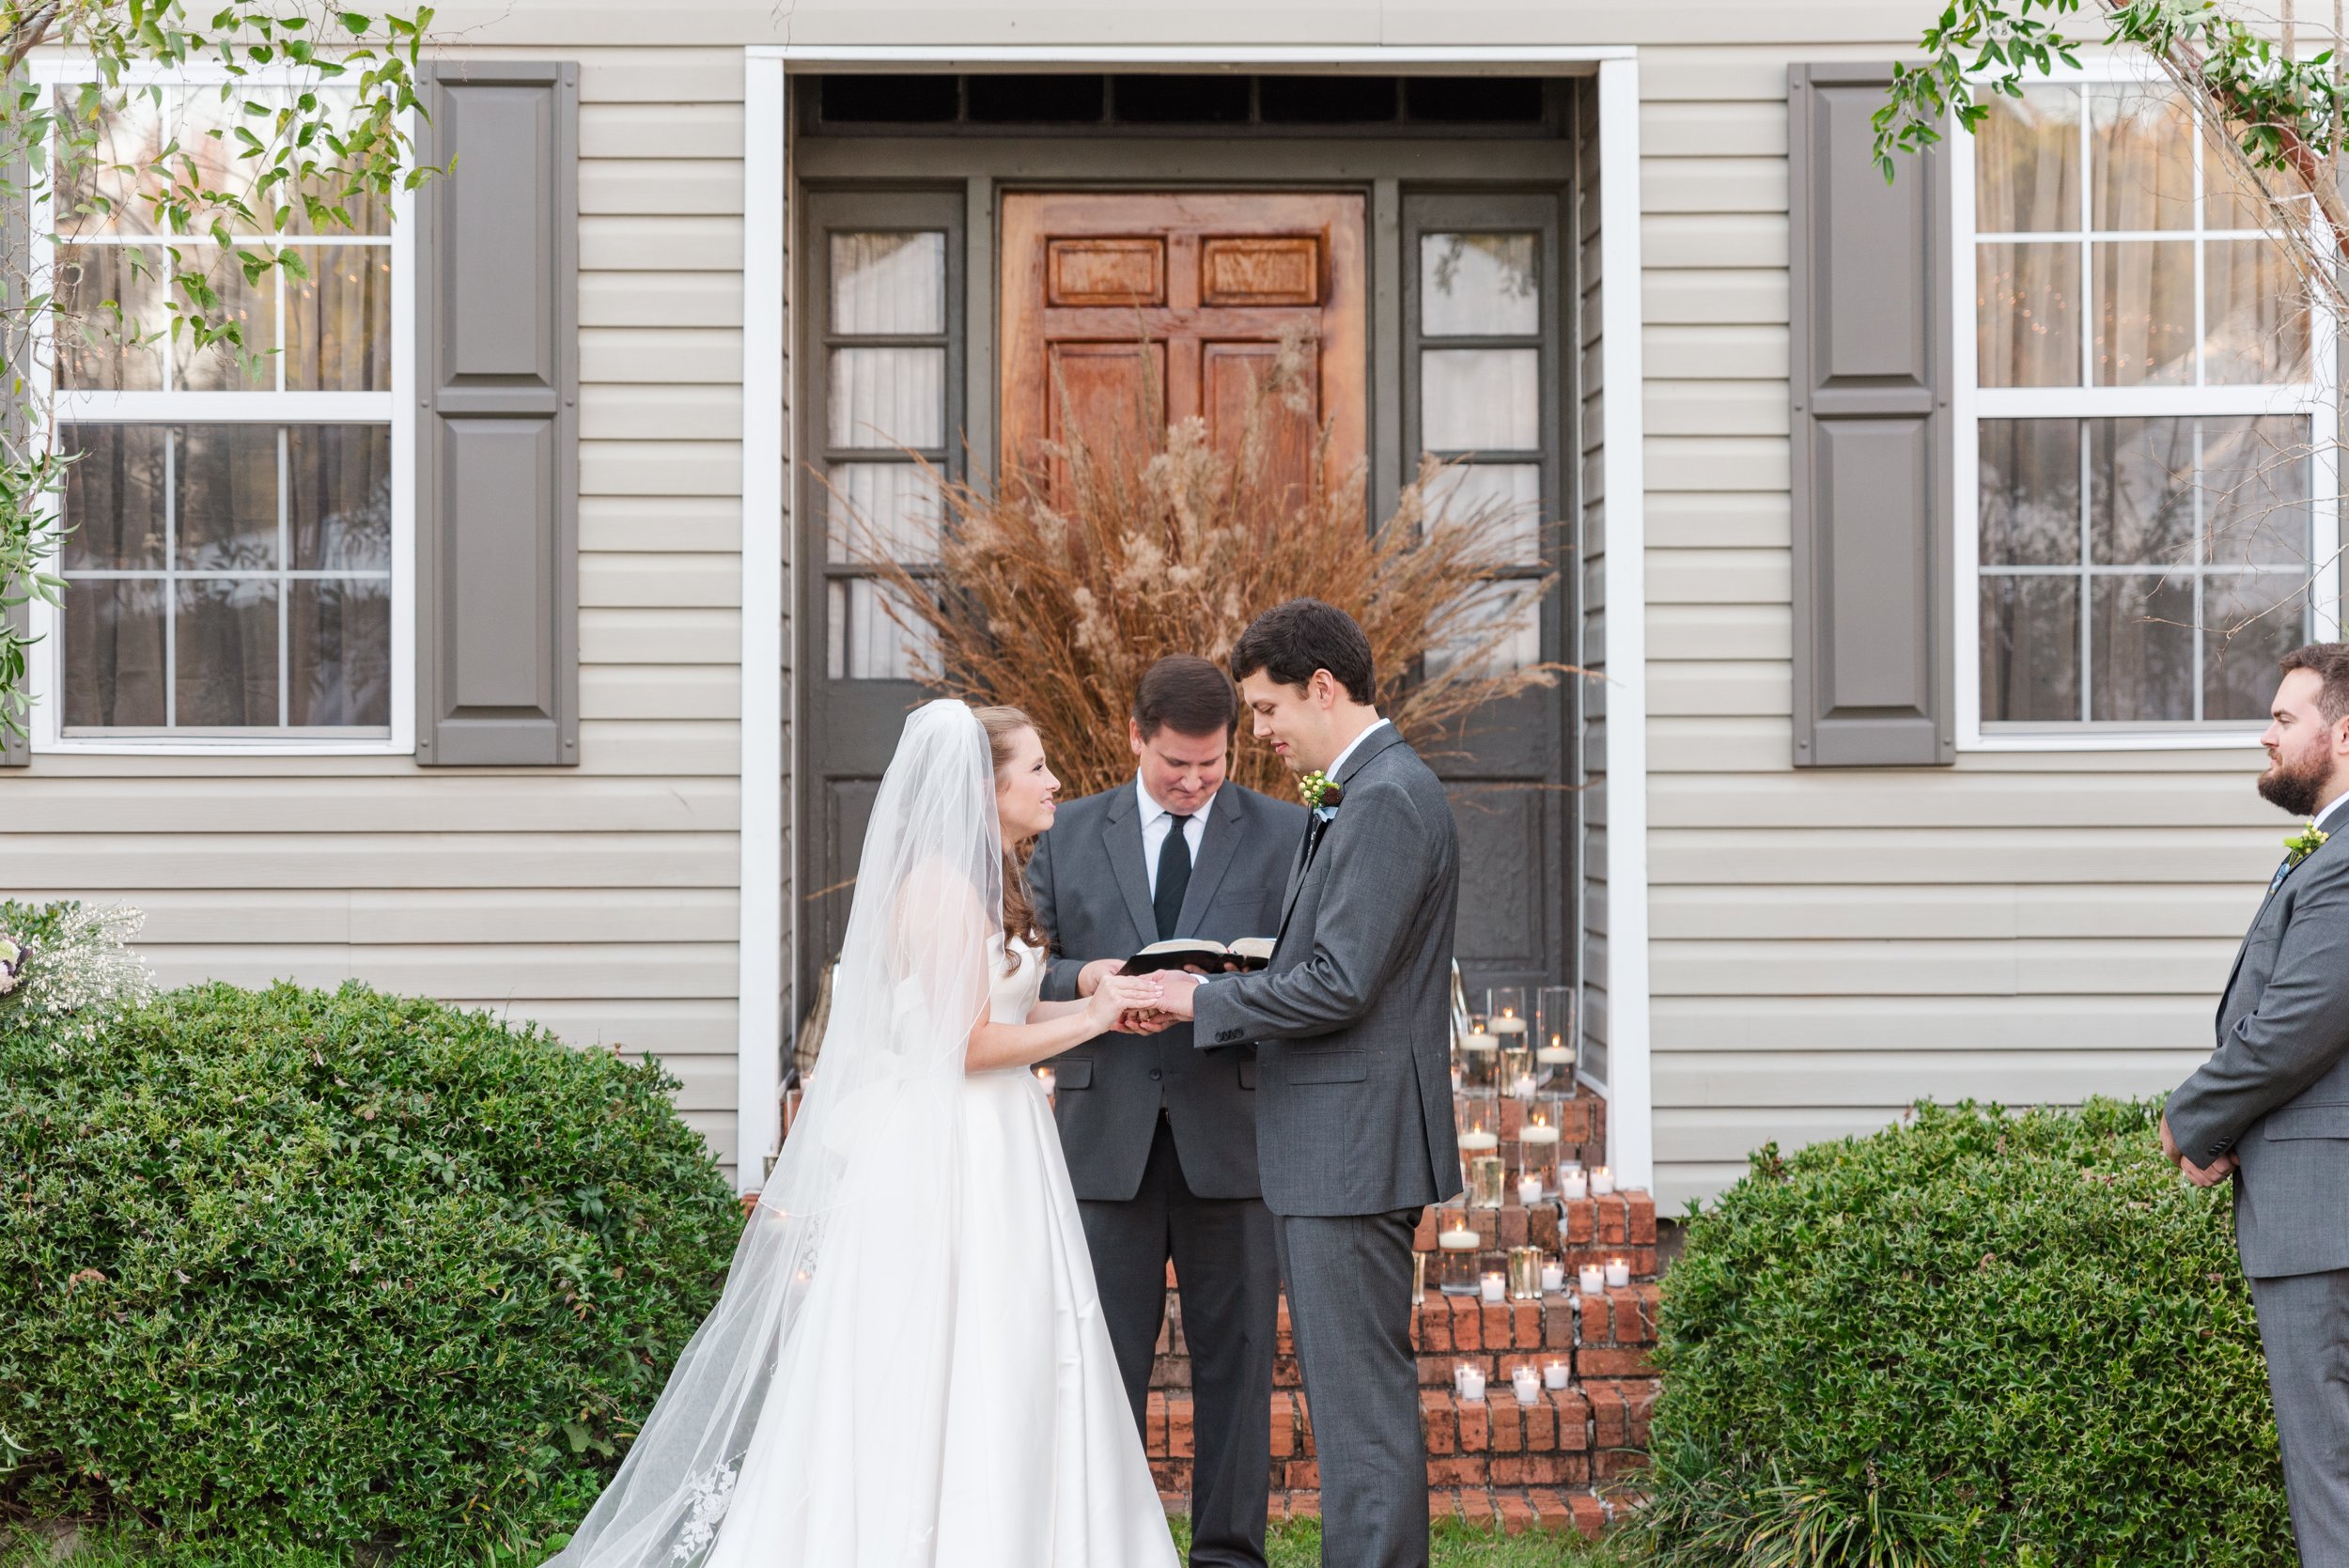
2271	1106
1353	1032
1160	1138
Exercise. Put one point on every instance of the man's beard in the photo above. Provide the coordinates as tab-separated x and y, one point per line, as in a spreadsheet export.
2296	787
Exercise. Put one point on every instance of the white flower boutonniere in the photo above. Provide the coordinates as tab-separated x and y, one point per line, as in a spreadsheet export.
2300	846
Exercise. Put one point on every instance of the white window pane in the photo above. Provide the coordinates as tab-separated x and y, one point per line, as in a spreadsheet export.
339	496
114	654
2026	324
112	302
2250	620
105	196
2255	493
2141	649
369	213
1512	607
2144	312
889	283
1510	494
2031	648
864	641
2141	492
2255	314
1480	399
2030	492
114	497
884	509
886	398
2027	163
339	640
226	483
338	320
2141	158
253	308
224	648
1478	285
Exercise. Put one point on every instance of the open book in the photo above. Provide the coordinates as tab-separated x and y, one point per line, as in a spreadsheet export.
1248	953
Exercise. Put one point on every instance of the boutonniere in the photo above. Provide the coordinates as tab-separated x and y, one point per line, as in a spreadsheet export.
1317	791
2300	846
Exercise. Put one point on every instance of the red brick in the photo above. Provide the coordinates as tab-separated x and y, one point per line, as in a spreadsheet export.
1541	1427
1302	1475
1436	1415
1525	1324
1305	1425
1283	1342
1541	1226
1605	1361
1487	1224
1513	1230
1284	1425
1612	1463
1580	1221
1508	1423
1467	1322
1495	1326
1558	1323
1573	1420
1435	1323
1611	1423
1154	1426
1640	1261
1614	1219
1642	1219
1286	1373
1650	1313
1589	1518
1178	1445
1169	1274
1476	1507
1304	1505
1440	1503
1475	1426
1423	1234
1550	1510
1461	1470
1516	1515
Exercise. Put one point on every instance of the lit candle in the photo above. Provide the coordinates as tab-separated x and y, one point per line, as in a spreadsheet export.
1508	1023
1046	1078
1618	1273
1554	1375
1523	1088
1528	1190
1602	1182
1572	1182
1528	1384
1496	1287
1593	1278
1554	1054
1471	1385
1460	1377
1455	1271
1553	1274
1476	1140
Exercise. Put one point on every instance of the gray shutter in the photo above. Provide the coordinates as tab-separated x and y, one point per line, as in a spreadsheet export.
16	251
497	491
1870	385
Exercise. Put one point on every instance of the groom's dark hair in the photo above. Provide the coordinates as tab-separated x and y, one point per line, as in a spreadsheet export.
1289	642
1188	695
2329	663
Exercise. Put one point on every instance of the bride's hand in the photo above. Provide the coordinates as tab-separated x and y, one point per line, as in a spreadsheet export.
1119	994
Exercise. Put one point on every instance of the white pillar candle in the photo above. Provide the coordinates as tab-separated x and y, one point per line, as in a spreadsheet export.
1618	1273
1602	1182
1508	1023
1472	1385
1478	1142
1554	1376
1528	1190
1496	1287
1554	1276
1460	1377
1593	1278
1555	1054
1573	1184
1458	1241
1528	1384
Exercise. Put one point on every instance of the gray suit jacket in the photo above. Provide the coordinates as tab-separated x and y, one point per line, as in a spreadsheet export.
1093	894
1353	1020
2276	1092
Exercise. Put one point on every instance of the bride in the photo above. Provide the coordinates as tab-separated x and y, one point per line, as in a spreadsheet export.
909	1365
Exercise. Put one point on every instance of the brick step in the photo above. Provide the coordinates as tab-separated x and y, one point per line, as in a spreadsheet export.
1514	1510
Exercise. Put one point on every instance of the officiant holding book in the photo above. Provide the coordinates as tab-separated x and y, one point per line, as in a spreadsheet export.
1161	1138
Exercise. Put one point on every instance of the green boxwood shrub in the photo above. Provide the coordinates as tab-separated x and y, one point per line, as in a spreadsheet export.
1971	1338
328	1267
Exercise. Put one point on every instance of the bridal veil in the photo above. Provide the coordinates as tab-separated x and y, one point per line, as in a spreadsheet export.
837	1316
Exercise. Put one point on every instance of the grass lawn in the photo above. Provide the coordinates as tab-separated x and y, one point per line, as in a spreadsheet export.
1297	1545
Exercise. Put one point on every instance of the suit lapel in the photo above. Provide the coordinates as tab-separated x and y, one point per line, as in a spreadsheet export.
1227	823
1387	736
1121	833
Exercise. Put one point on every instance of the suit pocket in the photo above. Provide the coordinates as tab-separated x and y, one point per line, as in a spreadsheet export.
2308	1121
1329	1066
1075	1072
1248	1075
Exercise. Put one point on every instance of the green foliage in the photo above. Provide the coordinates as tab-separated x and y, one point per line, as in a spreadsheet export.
301	1267
1971	1340
303	157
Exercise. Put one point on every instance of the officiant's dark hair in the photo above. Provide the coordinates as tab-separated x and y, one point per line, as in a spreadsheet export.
1289	642
2329	663
1186	694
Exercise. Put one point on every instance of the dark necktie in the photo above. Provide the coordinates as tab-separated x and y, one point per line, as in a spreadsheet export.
1174	875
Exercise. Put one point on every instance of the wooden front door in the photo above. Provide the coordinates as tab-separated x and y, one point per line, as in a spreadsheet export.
1124	312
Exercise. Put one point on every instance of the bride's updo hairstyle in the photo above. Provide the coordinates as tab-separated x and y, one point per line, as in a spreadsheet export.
1002	724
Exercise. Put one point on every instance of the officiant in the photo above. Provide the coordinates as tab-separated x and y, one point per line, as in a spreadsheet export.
1161	1138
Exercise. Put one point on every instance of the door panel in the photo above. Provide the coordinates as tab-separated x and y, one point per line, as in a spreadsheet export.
1211	281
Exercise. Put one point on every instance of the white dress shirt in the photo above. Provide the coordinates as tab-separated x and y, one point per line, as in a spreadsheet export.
2331	807
1157	819
1338	766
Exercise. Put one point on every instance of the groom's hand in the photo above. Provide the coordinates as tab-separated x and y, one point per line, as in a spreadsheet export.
1180	988
2212	1174
1090	977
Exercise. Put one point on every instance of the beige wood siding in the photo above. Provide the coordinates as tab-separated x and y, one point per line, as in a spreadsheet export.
601	900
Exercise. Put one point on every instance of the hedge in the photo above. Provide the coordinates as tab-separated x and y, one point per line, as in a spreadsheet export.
329	1268
1971	1338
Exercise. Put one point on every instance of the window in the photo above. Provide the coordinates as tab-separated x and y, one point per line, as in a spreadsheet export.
2139	472
234	560
1483	309
890	370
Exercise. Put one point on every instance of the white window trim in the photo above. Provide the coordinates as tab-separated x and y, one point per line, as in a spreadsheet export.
389	408
1969	404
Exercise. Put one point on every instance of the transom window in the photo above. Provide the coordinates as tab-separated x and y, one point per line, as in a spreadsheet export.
2145	486
232	547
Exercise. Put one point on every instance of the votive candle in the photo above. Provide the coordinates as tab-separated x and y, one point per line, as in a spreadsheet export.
1553	1274
1602	1182
1572	1182
1528	1384
1618	1273
1528	1190
1593	1279
1496	1287
1554	1375
1472	1385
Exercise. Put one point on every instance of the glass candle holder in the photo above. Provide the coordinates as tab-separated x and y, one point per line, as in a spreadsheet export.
1537	1154
1505	1013
1517	1074
1572	1181
1554	1038
1478	1053
1487	1175
1525	1274
1456	1262
1475	1110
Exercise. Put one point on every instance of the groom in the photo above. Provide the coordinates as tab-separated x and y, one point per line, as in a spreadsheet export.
2271	1106
1352	1021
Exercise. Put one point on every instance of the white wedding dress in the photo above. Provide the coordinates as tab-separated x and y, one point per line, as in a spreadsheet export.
907	1367
1035	1462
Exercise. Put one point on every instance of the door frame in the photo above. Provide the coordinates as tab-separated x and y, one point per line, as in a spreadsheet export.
768	917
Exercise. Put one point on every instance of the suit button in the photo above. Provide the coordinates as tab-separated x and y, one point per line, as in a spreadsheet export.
1155	1074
